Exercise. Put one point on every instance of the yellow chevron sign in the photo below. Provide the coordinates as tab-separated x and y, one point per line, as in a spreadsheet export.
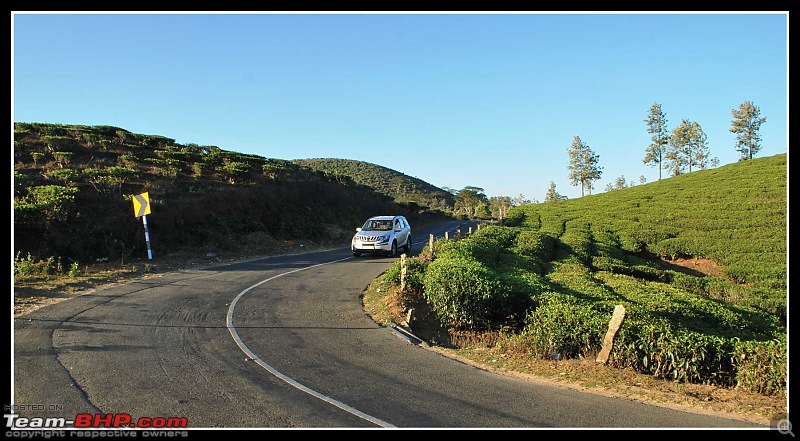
141	205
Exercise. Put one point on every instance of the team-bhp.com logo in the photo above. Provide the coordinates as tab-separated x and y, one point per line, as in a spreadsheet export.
95	421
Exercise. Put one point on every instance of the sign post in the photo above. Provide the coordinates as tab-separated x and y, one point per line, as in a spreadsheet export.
141	208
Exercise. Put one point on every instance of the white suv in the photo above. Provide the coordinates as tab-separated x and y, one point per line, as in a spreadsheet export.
382	234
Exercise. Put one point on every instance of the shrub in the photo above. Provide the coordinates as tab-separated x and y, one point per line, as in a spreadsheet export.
531	243
461	291
563	327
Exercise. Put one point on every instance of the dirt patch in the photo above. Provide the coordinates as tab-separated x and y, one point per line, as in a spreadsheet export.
695	266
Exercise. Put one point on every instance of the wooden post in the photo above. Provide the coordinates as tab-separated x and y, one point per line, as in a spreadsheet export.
446	235
613	327
430	245
470	231
403	272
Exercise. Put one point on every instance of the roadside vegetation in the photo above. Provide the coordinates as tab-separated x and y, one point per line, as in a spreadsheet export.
544	284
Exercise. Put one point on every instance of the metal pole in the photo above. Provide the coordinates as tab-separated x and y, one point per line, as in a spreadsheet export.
147	238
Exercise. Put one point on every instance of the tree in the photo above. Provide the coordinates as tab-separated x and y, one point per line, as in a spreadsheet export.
746	125
688	148
552	195
618	184
522	200
657	128
583	168
469	198
499	205
482	211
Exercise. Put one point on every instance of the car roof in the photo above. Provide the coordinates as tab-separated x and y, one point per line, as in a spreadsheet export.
383	217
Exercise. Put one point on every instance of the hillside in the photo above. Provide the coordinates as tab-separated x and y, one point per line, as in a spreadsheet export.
734	215
74	184
399	186
698	262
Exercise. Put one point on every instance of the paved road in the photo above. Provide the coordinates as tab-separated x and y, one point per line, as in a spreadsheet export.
280	342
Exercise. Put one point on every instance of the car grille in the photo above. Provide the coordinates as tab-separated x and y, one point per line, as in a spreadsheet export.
369	238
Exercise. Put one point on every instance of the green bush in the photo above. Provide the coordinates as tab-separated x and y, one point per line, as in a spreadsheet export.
532	243
563	327
461	291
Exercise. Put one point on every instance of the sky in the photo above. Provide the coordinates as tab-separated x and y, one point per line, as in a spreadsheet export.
482	99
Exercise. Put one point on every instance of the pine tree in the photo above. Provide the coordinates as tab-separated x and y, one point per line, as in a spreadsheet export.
657	127
583	165
746	125
552	195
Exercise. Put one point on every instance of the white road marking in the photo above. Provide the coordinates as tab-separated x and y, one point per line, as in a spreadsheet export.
273	371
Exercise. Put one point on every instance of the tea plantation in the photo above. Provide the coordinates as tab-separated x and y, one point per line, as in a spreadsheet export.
550	277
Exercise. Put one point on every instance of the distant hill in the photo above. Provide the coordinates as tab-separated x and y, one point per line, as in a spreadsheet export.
399	186
74	184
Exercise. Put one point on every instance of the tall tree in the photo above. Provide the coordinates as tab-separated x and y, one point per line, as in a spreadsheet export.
688	148
469	198
583	165
657	128
552	195
746	125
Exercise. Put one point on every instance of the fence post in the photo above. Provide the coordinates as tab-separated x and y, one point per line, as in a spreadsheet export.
403	272
430	245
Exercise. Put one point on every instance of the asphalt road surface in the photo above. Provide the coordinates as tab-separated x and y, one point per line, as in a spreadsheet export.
279	342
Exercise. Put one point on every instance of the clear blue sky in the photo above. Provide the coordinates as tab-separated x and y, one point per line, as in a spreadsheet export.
490	100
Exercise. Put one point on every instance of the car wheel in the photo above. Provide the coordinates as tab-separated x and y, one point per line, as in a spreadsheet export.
393	252
408	245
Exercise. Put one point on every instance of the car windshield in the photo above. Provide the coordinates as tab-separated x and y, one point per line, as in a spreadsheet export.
377	225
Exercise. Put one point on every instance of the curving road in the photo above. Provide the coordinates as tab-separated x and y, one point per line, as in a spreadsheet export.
280	342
